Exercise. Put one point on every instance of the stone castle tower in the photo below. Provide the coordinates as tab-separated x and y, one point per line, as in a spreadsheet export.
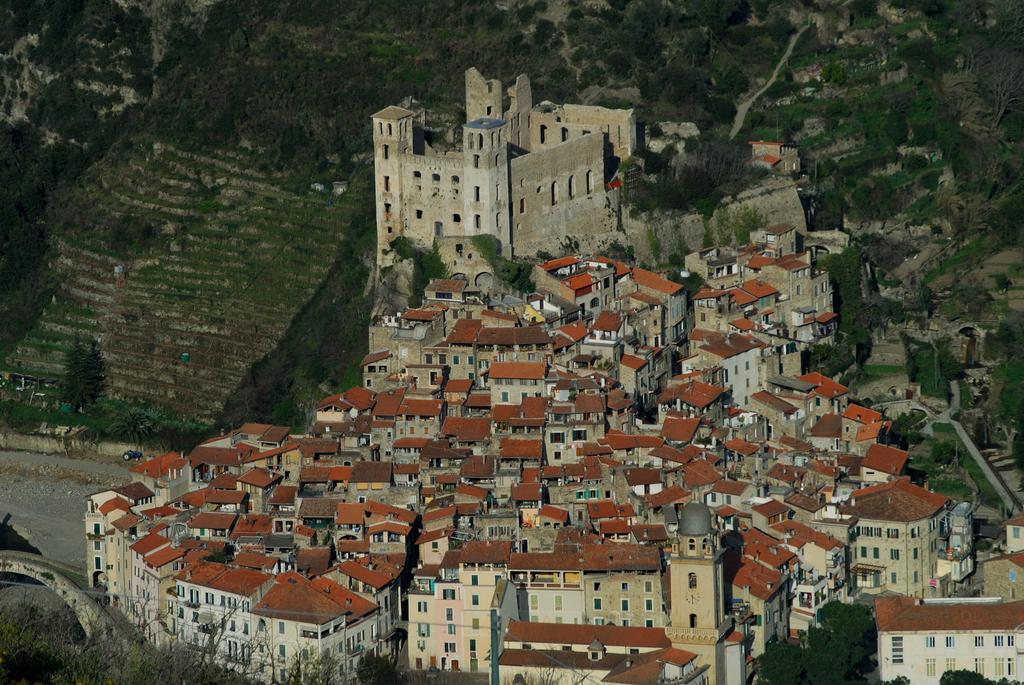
698	620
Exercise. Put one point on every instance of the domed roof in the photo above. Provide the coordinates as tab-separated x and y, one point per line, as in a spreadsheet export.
695	519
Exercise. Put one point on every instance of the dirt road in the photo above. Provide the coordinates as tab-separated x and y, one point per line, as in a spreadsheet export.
744	107
44	495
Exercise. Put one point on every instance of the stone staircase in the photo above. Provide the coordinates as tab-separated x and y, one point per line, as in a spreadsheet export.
241	258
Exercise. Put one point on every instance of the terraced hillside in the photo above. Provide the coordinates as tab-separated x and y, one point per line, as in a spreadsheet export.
230	256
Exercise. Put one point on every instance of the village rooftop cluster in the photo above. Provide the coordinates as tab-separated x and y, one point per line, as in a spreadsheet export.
612	478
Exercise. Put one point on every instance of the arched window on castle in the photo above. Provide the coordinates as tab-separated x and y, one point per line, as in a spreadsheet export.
572	186
565	134
543	133
389	129
693	620
480	140
476	161
590	182
693	581
554	193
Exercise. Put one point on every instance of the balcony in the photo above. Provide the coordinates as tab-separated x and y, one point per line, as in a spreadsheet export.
352	650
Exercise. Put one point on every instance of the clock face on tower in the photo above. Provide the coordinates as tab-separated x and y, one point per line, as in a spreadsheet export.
692	599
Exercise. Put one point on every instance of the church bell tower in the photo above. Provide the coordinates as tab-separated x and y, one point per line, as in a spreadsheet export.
698	620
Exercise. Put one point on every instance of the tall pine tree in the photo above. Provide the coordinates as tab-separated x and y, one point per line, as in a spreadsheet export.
74	375
95	374
84	374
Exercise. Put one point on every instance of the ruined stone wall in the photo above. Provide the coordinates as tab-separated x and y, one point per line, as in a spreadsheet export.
775	198
431	195
618	124
559	193
483	96
548	130
520	96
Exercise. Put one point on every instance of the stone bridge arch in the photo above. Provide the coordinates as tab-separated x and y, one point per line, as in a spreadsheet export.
60	578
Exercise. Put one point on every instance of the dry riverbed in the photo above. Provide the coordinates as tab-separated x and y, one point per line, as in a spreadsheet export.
44	495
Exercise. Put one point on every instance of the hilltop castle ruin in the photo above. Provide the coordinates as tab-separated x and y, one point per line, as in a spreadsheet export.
529	175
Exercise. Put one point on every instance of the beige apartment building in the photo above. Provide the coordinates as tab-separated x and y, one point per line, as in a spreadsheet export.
901	539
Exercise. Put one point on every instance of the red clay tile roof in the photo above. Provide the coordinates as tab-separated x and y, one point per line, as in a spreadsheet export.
787	473
771	508
488	552
260	478
160	465
826	387
861	414
517	448
909	614
642	476
730	487
420	407
759	288
694	393
886	459
871	431
374	357
467	428
741	446
583	634
213	520
320	601
518	370
164	556
527	492
632	362
458	385
464	332
760	581
554	513
774	401
700	472
828	426
559	262
670	495
898	500
513	335
652	281
607	508
678	429
607	321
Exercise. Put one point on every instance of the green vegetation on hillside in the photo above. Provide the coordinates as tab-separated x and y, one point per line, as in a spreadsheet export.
516	273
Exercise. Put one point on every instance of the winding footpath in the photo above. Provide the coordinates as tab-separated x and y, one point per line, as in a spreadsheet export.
1005	492
744	107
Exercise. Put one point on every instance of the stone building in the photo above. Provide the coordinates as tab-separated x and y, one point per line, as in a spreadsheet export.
528	175
1004	577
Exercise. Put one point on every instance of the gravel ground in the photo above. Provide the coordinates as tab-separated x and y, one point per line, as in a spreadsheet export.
44	495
